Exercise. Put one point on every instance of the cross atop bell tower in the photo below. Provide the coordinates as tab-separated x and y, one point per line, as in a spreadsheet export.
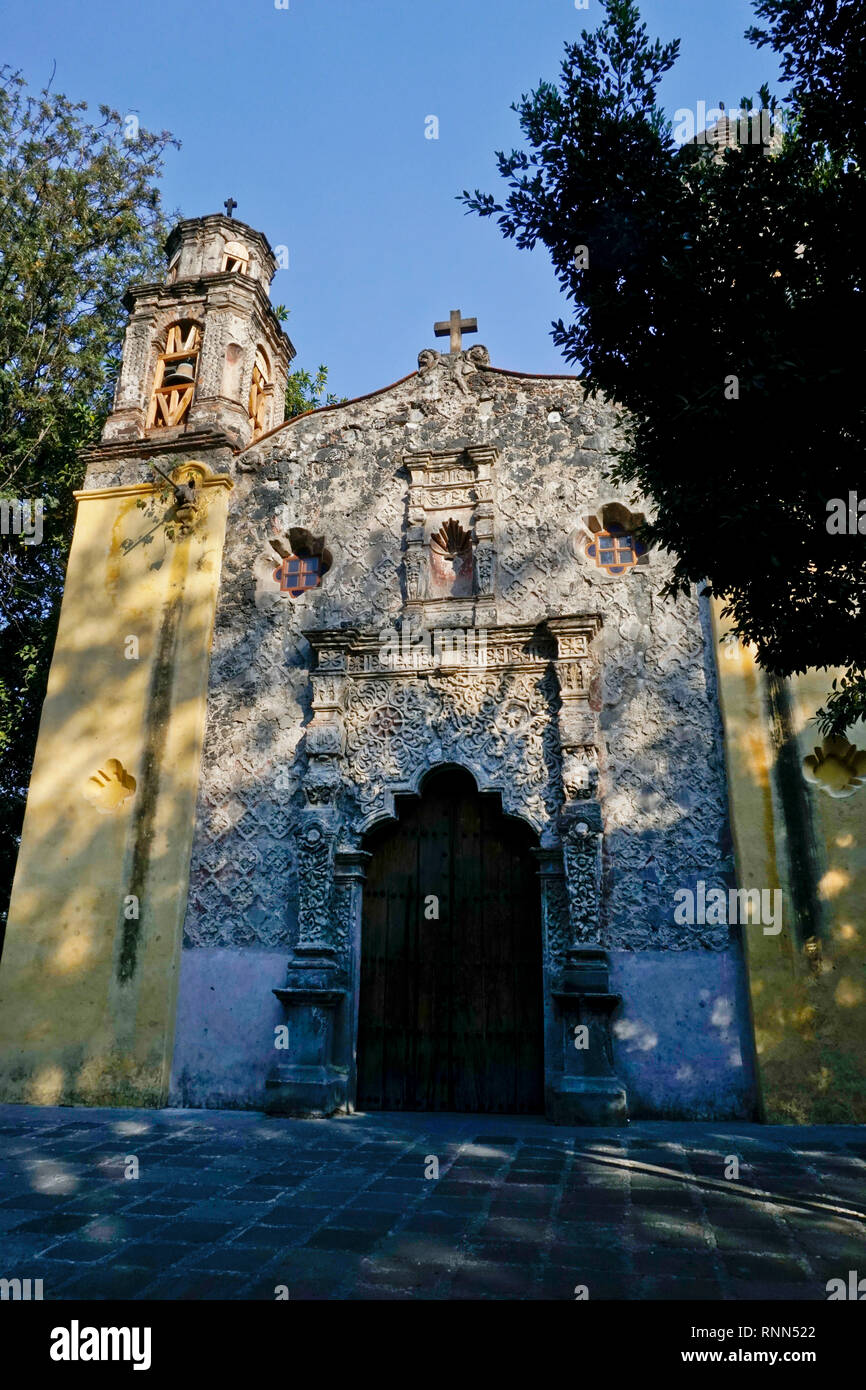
454	327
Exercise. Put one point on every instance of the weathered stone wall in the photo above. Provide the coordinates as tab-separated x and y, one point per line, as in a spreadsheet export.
339	473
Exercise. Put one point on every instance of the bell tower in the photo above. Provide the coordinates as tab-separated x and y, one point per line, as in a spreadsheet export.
205	359
89	978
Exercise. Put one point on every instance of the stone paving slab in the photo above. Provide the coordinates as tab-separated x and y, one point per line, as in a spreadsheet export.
172	1204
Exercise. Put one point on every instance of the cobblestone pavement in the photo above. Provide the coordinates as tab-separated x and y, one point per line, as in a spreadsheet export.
231	1205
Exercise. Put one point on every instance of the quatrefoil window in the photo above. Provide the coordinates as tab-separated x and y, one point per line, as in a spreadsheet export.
615	546
297	573
305	562
615	550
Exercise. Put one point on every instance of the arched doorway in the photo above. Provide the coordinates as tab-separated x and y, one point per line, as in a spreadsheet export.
450	1011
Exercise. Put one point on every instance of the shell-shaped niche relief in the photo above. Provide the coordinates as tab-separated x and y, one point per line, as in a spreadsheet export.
451	560
109	787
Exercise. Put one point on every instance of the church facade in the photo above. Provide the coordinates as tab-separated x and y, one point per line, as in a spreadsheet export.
374	764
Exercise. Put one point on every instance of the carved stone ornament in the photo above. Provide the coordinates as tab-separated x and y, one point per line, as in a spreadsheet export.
451	507
494	708
315	845
581	840
451	540
375	732
837	767
455	368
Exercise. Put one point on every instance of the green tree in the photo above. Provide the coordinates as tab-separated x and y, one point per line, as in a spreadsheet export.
822	46
710	288
80	220
305	392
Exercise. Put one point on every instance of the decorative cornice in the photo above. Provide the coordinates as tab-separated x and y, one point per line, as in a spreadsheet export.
208	479
450	458
156	442
524	646
215	219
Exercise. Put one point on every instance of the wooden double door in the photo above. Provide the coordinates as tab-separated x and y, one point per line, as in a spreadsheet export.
450	1014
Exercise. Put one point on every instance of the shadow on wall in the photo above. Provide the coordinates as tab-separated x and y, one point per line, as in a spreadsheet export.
808	983
89	973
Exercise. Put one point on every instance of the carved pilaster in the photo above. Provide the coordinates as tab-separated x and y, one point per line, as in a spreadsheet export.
485	553
315	845
350	869
582	1084
321	997
325	736
580	829
325	742
136	370
586	1089
555	922
324	745
580	821
416	567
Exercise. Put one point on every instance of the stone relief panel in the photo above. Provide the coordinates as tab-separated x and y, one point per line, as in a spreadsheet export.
501	726
449	549
556	910
315	850
243	875
658	766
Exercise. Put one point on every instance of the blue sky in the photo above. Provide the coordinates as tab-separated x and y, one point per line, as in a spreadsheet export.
313	119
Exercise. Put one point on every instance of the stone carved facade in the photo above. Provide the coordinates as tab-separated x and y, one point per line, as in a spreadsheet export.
460	621
450	489
593	715
585	700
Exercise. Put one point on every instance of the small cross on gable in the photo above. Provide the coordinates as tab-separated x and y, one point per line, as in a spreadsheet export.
455	327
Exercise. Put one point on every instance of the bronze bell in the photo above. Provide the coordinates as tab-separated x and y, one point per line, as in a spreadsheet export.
180	373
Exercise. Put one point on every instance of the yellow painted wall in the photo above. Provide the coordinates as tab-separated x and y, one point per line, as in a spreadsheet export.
87	992
808	1000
